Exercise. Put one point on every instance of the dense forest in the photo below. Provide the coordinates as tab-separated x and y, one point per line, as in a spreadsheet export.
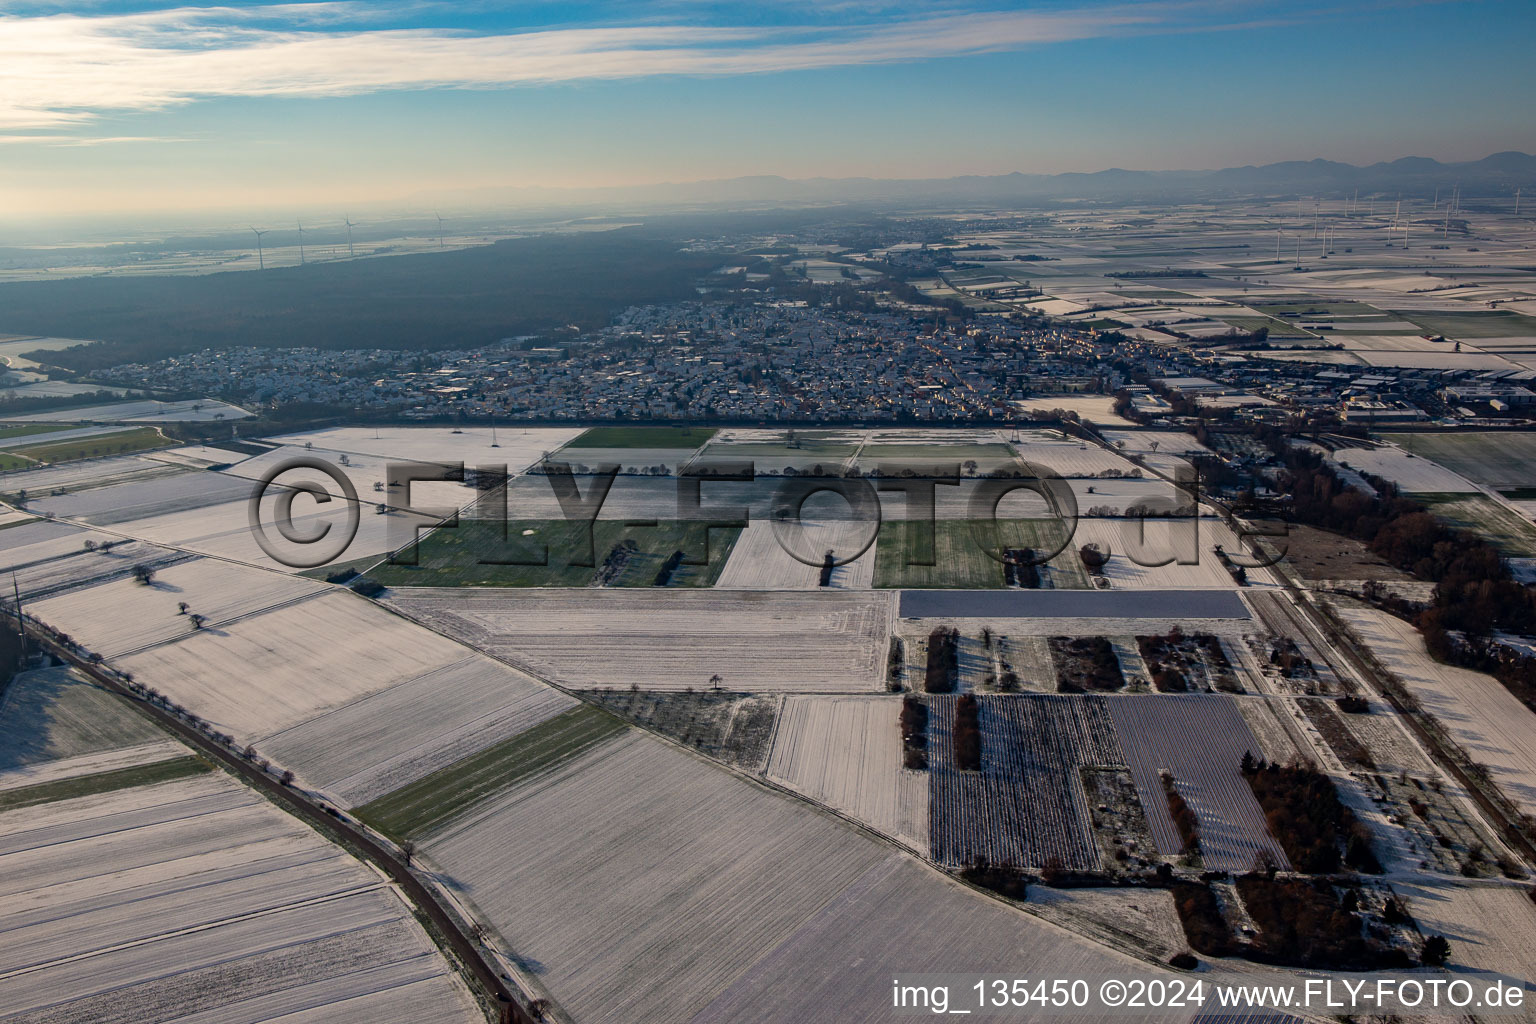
454	299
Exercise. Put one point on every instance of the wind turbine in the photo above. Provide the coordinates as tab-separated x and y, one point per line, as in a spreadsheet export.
350	251
260	258
301	242
439	228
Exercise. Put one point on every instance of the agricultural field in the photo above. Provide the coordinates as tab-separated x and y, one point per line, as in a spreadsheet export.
1200	741
224	530
642	437
64	562
548	553
393	482
515	447
53	724
365	748
846	752
1071	458
428	804
1490	928
1502	460
1487	518
759	559
1320	555
141	411
269	672
25	434
121	615
960	558
736	728
563	867
1135	545
774	451
141	499
80	475
1484	718
1412	473
1099	409
1026	805
1472	324
613	639
196	899
890	456
1143	442
92	446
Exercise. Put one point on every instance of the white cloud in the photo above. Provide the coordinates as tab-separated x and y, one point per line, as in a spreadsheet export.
62	71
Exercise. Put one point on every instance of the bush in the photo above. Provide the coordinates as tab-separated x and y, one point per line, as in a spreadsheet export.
368	586
1303	811
1200	914
1306	923
967	733
943	670
1184	961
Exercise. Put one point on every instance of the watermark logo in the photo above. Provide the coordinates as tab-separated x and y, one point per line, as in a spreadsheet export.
581	493
302	547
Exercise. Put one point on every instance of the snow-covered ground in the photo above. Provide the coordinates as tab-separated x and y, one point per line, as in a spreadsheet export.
198	900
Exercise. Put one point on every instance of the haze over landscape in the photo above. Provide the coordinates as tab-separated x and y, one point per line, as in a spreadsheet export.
127	106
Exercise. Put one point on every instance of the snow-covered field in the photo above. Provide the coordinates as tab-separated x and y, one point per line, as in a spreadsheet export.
143	498
268	672
46	558
517	447
224	531
124	615
50	716
1200	739
1072	458
1491	928
196	900
758	560
741	904
1413	473
1484	718
88	473
1153	540
1165	441
846	752
670	639
900	918
1094	408
375	745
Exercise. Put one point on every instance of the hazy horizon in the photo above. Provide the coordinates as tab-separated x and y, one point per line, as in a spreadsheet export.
134	106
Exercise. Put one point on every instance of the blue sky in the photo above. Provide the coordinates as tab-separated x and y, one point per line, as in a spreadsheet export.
114	106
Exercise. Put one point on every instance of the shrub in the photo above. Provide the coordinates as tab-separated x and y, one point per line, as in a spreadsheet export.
967	733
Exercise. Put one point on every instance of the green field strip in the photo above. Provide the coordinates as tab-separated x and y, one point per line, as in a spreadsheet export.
428	803
97	445
642	437
483	553
1498	524
959	559
102	782
28	429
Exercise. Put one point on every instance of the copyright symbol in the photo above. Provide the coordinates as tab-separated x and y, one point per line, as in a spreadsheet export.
293	556
1112	992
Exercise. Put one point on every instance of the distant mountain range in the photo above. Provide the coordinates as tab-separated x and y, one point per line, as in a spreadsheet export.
1498	174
